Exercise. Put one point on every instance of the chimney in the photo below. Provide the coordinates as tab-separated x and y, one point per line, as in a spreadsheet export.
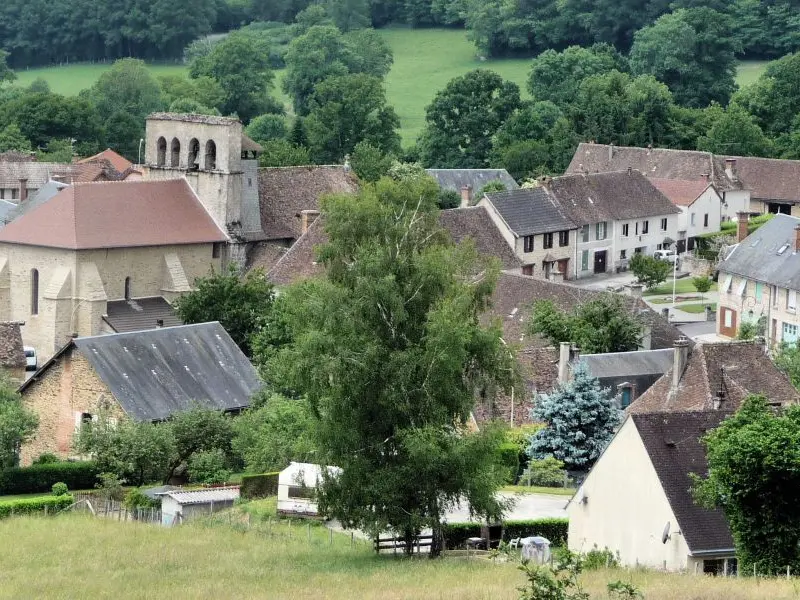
797	239
719	401
741	225
635	290
706	177
564	353
466	195
630	170
23	189
680	355
730	168
159	323
307	217
646	343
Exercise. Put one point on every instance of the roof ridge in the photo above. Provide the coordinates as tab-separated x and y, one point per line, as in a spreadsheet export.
147	331
654	148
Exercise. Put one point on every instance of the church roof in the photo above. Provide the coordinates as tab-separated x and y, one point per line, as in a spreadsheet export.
116	215
117	161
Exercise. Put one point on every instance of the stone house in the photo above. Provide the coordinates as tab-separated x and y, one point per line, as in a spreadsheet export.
700	205
469	182
61	263
145	376
541	235
759	280
636	501
12	352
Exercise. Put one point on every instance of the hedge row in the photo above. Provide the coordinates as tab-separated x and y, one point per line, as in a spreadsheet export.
28	506
555	530
259	486
40	478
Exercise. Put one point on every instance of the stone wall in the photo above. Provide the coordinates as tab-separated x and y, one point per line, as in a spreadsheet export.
695	266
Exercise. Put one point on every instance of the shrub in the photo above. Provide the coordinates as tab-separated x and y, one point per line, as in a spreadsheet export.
60	488
600	559
110	486
509	458
137	499
208	467
27	506
41	477
46	459
259	486
555	530
548	472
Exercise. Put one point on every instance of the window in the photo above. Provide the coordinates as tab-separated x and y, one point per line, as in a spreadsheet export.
645	227
759	291
625	229
623	254
301	491
585	260
728	319
742	288
34	291
791	300
563	238
601	229
194	150
15	194
585	233
625	395
127	288
548	240
789	333
691	219
175	153
664	224
705	220
527	270
216	250
726	285
211	155
527	243
161	152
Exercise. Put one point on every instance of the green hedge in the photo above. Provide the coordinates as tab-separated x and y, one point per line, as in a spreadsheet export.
259	486
41	477
29	506
555	530
508	454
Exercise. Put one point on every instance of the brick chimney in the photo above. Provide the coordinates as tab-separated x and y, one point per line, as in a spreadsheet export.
307	217
23	189
680	356
742	219
466	195
730	168
797	239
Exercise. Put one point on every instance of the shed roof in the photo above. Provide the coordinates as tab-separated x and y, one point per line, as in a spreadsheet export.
641	362
679	191
12	354
156	373
138	314
475	179
673	444
529	211
116	215
204	496
768	254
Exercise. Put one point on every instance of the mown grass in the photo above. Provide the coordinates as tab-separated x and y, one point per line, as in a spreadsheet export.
76	556
696	308
682	286
748	71
535	489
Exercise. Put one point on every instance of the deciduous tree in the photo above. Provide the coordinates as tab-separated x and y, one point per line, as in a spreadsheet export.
649	270
17	424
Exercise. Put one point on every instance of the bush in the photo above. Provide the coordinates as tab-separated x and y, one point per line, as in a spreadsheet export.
110	486
600	559
41	477
509	457
46	459
208	467
28	506
547	472
59	489
555	530
137	499
259	486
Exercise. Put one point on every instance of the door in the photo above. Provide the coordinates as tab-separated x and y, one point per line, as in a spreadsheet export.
600	261
727	322
682	246
527	270
563	266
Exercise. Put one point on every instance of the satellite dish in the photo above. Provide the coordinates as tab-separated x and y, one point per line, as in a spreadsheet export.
665	535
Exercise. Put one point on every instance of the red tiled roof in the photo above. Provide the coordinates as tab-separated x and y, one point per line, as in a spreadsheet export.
681	192
116	215
119	162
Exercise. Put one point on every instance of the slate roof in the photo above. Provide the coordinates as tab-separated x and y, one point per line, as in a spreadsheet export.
299	262
641	362
36	199
615	196
529	211
757	256
12	354
265	255
455	179
679	191
769	178
6	209
37	173
737	368
285	191
117	161
156	373
204	496
138	314
660	163
117	215
672	442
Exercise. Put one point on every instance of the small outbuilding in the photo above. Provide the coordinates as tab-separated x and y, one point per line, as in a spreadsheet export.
178	506
297	486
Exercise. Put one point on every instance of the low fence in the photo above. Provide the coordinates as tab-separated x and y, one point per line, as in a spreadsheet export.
108	508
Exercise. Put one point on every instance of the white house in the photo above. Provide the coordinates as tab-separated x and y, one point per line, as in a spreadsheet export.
700	205
636	500
297	486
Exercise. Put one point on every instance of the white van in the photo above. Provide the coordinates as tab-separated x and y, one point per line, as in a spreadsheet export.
30	358
667	255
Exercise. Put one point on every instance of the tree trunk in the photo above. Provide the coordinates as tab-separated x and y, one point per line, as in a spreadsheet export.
437	541
408	542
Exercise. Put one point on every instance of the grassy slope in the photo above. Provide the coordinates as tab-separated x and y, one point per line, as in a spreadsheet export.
84	557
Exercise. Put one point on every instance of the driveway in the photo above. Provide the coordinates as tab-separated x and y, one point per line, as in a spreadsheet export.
526	507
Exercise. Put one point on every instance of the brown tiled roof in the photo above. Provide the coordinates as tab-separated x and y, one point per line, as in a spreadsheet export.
17	157
117	161
661	163
672	442
515	294
139	314
285	191
613	196
736	368
116	214
12	355
248	145
265	255
300	261
769	178
681	192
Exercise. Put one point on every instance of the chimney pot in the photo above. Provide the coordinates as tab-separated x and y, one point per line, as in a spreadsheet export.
742	219
23	189
466	195
680	354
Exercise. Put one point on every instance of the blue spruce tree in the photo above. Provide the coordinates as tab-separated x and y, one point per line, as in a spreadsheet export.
580	418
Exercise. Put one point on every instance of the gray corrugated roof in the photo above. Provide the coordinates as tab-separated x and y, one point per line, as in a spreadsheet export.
157	373
455	179
758	258
529	211
629	364
138	314
205	496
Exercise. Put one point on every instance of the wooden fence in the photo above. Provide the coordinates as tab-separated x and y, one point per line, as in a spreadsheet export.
113	509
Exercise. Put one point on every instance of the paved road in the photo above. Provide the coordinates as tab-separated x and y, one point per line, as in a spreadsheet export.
526	506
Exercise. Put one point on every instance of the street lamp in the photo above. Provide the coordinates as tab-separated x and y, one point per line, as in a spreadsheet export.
141	141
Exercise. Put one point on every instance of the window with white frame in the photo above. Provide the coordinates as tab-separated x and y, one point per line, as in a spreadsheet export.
527	243
585	233
742	288
664	224
585	260
625	229
691	219
791	300
601	230
789	334
726	285
645	227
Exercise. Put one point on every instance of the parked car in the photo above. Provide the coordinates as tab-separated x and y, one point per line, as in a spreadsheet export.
30	358
667	255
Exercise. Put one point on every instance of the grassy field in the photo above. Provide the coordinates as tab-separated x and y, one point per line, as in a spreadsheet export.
750	70
534	489
696	308
80	557
683	286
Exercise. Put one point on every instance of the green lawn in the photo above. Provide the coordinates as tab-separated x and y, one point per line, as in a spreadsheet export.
69	80
683	286
749	70
535	489
696	308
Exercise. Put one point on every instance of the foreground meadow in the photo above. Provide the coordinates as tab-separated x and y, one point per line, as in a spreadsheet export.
76	556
